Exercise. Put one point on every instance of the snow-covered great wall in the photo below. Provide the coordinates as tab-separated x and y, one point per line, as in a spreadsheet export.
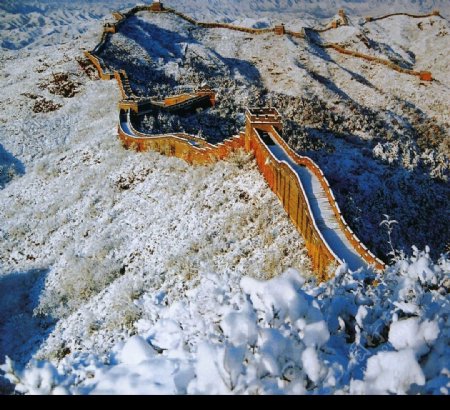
157	7
298	182
126	272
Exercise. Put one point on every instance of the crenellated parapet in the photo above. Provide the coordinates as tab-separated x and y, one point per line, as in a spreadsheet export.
341	20
110	28
192	149
262	118
281	177
103	73
118	15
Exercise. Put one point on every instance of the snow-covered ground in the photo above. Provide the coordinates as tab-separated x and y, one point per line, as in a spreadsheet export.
136	273
49	22
283	336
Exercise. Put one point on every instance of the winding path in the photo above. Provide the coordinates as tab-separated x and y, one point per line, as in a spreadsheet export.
298	182
327	235
324	216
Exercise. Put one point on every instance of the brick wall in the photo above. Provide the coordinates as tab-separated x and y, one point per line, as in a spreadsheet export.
284	182
192	149
280	177
177	99
424	75
415	16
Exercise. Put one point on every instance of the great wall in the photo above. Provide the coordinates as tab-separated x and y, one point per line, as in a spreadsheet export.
298	181
414	16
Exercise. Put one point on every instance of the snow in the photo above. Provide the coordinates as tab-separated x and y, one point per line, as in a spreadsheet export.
378	135
31	23
240	327
134	273
279	297
419	269
315	10
391	372
209	371
316	334
311	364
148	377
410	334
135	351
248	338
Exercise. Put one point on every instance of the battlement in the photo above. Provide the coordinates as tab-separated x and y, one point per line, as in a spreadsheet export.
264	115
263	127
369	19
206	91
177	99
262	119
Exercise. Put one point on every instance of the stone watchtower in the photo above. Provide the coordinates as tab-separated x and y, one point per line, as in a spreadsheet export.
279	30
157	6
343	17
262	119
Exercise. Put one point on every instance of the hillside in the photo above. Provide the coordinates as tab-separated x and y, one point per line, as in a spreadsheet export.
125	272
49	21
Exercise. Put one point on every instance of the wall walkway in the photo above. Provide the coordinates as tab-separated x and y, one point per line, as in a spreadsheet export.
297	181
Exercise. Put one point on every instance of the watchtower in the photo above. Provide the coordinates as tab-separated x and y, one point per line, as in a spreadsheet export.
110	28
343	17
262	119
425	76
280	30
157	6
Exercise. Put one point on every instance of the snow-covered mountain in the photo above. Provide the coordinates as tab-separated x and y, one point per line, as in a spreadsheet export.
49	22
314	8
23	22
128	272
